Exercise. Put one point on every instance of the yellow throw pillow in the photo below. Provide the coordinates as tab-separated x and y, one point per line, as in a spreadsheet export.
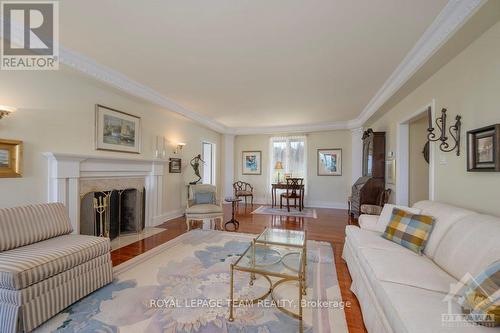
409	230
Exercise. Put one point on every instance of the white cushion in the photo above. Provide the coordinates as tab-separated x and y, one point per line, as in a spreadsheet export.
415	310
405	268
361	238
445	216
385	216
204	209
470	245
368	222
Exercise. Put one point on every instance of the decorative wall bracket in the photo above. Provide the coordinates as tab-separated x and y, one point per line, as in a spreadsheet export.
454	132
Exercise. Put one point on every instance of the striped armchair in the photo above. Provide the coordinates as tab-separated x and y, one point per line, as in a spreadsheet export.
43	268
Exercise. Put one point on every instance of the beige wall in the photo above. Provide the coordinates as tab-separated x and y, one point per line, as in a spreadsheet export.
468	85
56	113
323	191
419	169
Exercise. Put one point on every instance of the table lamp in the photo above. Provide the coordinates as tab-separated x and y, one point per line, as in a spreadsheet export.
278	166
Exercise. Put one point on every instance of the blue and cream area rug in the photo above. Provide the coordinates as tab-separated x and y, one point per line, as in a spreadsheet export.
183	287
268	210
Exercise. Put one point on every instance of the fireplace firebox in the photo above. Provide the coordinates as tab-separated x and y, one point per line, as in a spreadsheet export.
113	212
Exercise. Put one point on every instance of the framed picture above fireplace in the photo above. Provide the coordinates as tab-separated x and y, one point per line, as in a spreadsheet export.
483	154
117	130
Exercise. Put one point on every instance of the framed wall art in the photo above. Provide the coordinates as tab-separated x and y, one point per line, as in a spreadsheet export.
329	162
251	163
117	130
483	153
174	165
11	158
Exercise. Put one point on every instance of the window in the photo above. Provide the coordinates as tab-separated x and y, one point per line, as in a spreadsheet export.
208	156
291	152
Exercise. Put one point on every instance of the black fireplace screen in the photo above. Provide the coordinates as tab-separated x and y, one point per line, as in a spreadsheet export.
122	212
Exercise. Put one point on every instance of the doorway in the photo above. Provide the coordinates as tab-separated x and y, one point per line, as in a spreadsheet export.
415	181
418	184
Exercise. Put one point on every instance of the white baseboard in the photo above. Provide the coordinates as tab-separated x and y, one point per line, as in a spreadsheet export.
326	204
168	216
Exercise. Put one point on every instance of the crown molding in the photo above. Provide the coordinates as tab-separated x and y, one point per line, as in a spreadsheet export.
446	24
340	125
118	80
449	20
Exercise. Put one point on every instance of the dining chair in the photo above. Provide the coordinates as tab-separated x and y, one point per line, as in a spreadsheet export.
242	189
294	190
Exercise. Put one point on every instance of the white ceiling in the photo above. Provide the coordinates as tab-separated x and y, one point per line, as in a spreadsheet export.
252	63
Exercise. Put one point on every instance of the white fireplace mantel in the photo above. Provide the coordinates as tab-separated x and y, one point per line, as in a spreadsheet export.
66	170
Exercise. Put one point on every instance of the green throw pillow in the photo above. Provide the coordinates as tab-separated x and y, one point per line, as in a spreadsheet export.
409	230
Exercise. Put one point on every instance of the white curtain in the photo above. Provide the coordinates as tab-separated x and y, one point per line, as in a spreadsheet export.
291	151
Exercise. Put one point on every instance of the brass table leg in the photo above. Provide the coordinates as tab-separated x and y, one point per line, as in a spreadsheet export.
301	289
231	297
304	264
252	275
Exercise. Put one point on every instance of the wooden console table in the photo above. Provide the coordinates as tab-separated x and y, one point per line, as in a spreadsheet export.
282	186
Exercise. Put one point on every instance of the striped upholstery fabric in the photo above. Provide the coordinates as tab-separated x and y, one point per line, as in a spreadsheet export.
27	265
409	230
36	304
480	298
30	224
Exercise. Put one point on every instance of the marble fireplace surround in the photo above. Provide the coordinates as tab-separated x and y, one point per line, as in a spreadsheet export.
70	174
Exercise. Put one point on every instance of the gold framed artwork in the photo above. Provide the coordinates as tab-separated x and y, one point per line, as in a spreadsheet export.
117	130
329	162
11	158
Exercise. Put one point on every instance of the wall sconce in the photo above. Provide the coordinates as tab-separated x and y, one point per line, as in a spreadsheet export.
453	130
179	148
6	110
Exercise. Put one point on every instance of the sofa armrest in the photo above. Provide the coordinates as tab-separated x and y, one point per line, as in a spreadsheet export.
368	222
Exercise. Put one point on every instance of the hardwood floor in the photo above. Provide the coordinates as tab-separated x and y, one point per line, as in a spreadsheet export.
329	227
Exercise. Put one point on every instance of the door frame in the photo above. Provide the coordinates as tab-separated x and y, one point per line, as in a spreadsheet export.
403	158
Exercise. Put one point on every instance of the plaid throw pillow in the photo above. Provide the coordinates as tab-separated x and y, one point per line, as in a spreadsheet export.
409	230
480	298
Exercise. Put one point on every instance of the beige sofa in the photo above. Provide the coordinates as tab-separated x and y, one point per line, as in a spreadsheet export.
400	291
43	268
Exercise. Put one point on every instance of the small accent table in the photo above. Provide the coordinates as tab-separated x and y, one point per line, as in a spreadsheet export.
233	201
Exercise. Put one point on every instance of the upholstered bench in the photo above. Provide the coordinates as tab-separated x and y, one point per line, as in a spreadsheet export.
43	268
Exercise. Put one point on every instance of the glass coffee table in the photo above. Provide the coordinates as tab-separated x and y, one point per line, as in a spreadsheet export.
279	256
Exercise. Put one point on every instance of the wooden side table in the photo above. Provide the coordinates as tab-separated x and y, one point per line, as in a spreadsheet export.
233	201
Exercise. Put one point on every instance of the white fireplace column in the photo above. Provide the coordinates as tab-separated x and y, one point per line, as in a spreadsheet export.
66	170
